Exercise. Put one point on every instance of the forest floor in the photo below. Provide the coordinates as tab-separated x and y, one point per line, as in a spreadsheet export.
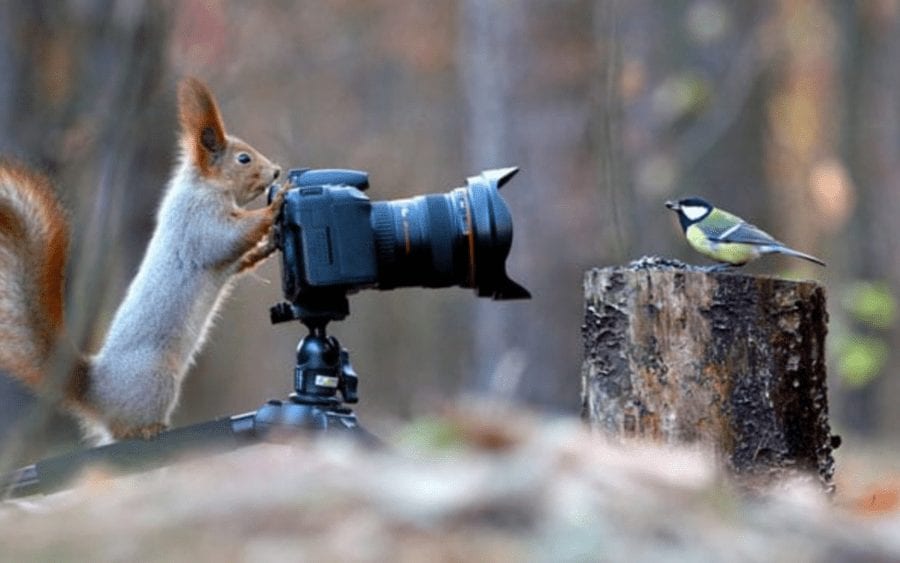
462	487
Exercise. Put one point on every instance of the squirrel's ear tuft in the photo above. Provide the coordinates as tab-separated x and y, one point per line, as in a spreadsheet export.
202	129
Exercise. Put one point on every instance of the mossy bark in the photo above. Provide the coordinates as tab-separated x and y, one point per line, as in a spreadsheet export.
732	361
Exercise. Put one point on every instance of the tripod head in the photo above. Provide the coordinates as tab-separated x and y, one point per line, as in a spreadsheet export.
323	375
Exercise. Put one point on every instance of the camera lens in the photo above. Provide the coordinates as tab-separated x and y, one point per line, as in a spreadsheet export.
458	238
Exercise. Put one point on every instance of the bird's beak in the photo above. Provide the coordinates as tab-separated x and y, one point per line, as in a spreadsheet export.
673	205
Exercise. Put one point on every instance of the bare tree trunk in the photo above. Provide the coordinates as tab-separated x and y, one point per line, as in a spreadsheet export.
530	104
489	33
872	151
730	361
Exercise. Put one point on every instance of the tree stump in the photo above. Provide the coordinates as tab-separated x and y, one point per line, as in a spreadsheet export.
737	362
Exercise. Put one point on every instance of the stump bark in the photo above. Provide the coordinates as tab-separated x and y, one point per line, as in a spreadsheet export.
736	362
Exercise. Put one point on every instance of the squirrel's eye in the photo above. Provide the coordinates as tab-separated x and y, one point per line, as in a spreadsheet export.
243	158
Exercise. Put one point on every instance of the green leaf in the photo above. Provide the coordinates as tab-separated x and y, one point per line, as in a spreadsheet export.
861	360
871	303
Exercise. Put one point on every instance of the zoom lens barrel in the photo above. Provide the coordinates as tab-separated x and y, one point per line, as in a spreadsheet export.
418	242
461	238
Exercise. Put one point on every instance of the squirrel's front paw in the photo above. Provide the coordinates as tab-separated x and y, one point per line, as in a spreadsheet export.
278	199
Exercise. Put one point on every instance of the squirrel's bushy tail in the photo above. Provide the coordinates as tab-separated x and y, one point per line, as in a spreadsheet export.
34	243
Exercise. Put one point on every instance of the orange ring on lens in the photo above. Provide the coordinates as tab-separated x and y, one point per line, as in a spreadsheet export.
471	236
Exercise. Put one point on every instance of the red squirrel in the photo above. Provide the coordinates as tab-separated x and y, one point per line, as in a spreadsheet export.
203	238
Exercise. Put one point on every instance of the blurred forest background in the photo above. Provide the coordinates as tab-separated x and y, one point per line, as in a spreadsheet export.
786	112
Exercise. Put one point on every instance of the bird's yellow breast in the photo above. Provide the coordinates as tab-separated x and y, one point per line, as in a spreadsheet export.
730	252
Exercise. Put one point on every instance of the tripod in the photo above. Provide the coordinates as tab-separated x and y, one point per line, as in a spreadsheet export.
324	381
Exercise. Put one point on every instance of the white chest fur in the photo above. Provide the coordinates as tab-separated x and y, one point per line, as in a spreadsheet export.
168	309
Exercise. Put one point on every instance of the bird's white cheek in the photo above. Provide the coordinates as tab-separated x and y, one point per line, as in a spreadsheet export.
693	212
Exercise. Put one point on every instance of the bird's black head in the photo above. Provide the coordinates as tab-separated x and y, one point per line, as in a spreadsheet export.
690	210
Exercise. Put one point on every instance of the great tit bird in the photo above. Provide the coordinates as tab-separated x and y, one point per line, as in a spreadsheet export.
725	237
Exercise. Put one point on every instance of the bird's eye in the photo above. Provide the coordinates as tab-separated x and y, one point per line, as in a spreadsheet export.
244	158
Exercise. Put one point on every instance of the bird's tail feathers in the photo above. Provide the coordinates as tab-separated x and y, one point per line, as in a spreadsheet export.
791	252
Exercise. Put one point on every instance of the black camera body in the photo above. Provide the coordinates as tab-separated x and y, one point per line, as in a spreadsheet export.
335	241
324	232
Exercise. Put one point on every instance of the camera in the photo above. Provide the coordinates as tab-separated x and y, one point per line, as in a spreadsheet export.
335	241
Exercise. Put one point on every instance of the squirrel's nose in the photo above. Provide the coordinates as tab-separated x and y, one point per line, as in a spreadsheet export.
277	173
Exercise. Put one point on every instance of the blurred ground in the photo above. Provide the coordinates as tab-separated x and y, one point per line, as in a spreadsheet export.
461	487
867	477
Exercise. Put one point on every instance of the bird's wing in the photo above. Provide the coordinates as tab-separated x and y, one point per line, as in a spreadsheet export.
745	233
725	227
